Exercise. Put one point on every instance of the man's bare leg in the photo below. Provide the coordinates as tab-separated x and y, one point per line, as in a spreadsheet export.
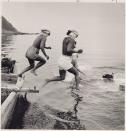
74	71
39	64
58	78
25	70
31	62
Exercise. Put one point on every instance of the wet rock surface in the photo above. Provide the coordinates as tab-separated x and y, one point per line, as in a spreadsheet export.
37	118
41	114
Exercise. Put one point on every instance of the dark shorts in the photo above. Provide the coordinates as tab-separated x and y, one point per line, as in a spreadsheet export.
32	55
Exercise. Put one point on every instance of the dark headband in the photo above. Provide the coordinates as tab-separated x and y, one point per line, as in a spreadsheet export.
46	31
69	31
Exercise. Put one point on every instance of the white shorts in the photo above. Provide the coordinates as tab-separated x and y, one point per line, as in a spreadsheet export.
64	62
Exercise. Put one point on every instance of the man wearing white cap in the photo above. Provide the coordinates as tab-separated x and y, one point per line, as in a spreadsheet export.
65	61
32	53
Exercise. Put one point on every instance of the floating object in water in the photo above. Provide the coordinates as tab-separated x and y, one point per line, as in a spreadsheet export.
108	76
122	87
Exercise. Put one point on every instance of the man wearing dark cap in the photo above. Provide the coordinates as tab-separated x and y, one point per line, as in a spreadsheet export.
32	53
65	61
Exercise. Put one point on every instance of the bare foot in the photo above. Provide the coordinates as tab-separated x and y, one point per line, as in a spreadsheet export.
33	72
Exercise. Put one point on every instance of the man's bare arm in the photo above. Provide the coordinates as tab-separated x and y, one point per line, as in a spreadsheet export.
71	50
42	46
48	47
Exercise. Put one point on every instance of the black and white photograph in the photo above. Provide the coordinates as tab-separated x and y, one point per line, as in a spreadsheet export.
63	65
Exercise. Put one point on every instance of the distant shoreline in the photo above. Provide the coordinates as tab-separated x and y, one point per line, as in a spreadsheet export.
18	33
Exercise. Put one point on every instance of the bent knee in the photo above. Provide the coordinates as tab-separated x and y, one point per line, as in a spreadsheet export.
77	73
31	66
62	77
43	61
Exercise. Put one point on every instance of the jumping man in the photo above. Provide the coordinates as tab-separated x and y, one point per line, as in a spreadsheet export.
65	61
32	53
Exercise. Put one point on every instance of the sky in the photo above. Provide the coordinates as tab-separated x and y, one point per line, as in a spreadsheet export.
99	24
31	16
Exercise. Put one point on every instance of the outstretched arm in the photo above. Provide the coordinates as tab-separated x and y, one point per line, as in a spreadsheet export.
47	47
43	51
42	46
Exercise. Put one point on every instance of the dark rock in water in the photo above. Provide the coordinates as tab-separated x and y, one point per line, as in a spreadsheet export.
59	125
69	125
66	116
108	76
73	122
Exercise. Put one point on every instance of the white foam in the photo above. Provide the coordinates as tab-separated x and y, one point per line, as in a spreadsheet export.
119	81
69	77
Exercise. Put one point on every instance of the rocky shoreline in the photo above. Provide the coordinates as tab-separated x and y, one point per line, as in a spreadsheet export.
18	33
31	116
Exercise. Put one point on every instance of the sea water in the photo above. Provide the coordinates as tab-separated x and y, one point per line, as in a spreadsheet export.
102	104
